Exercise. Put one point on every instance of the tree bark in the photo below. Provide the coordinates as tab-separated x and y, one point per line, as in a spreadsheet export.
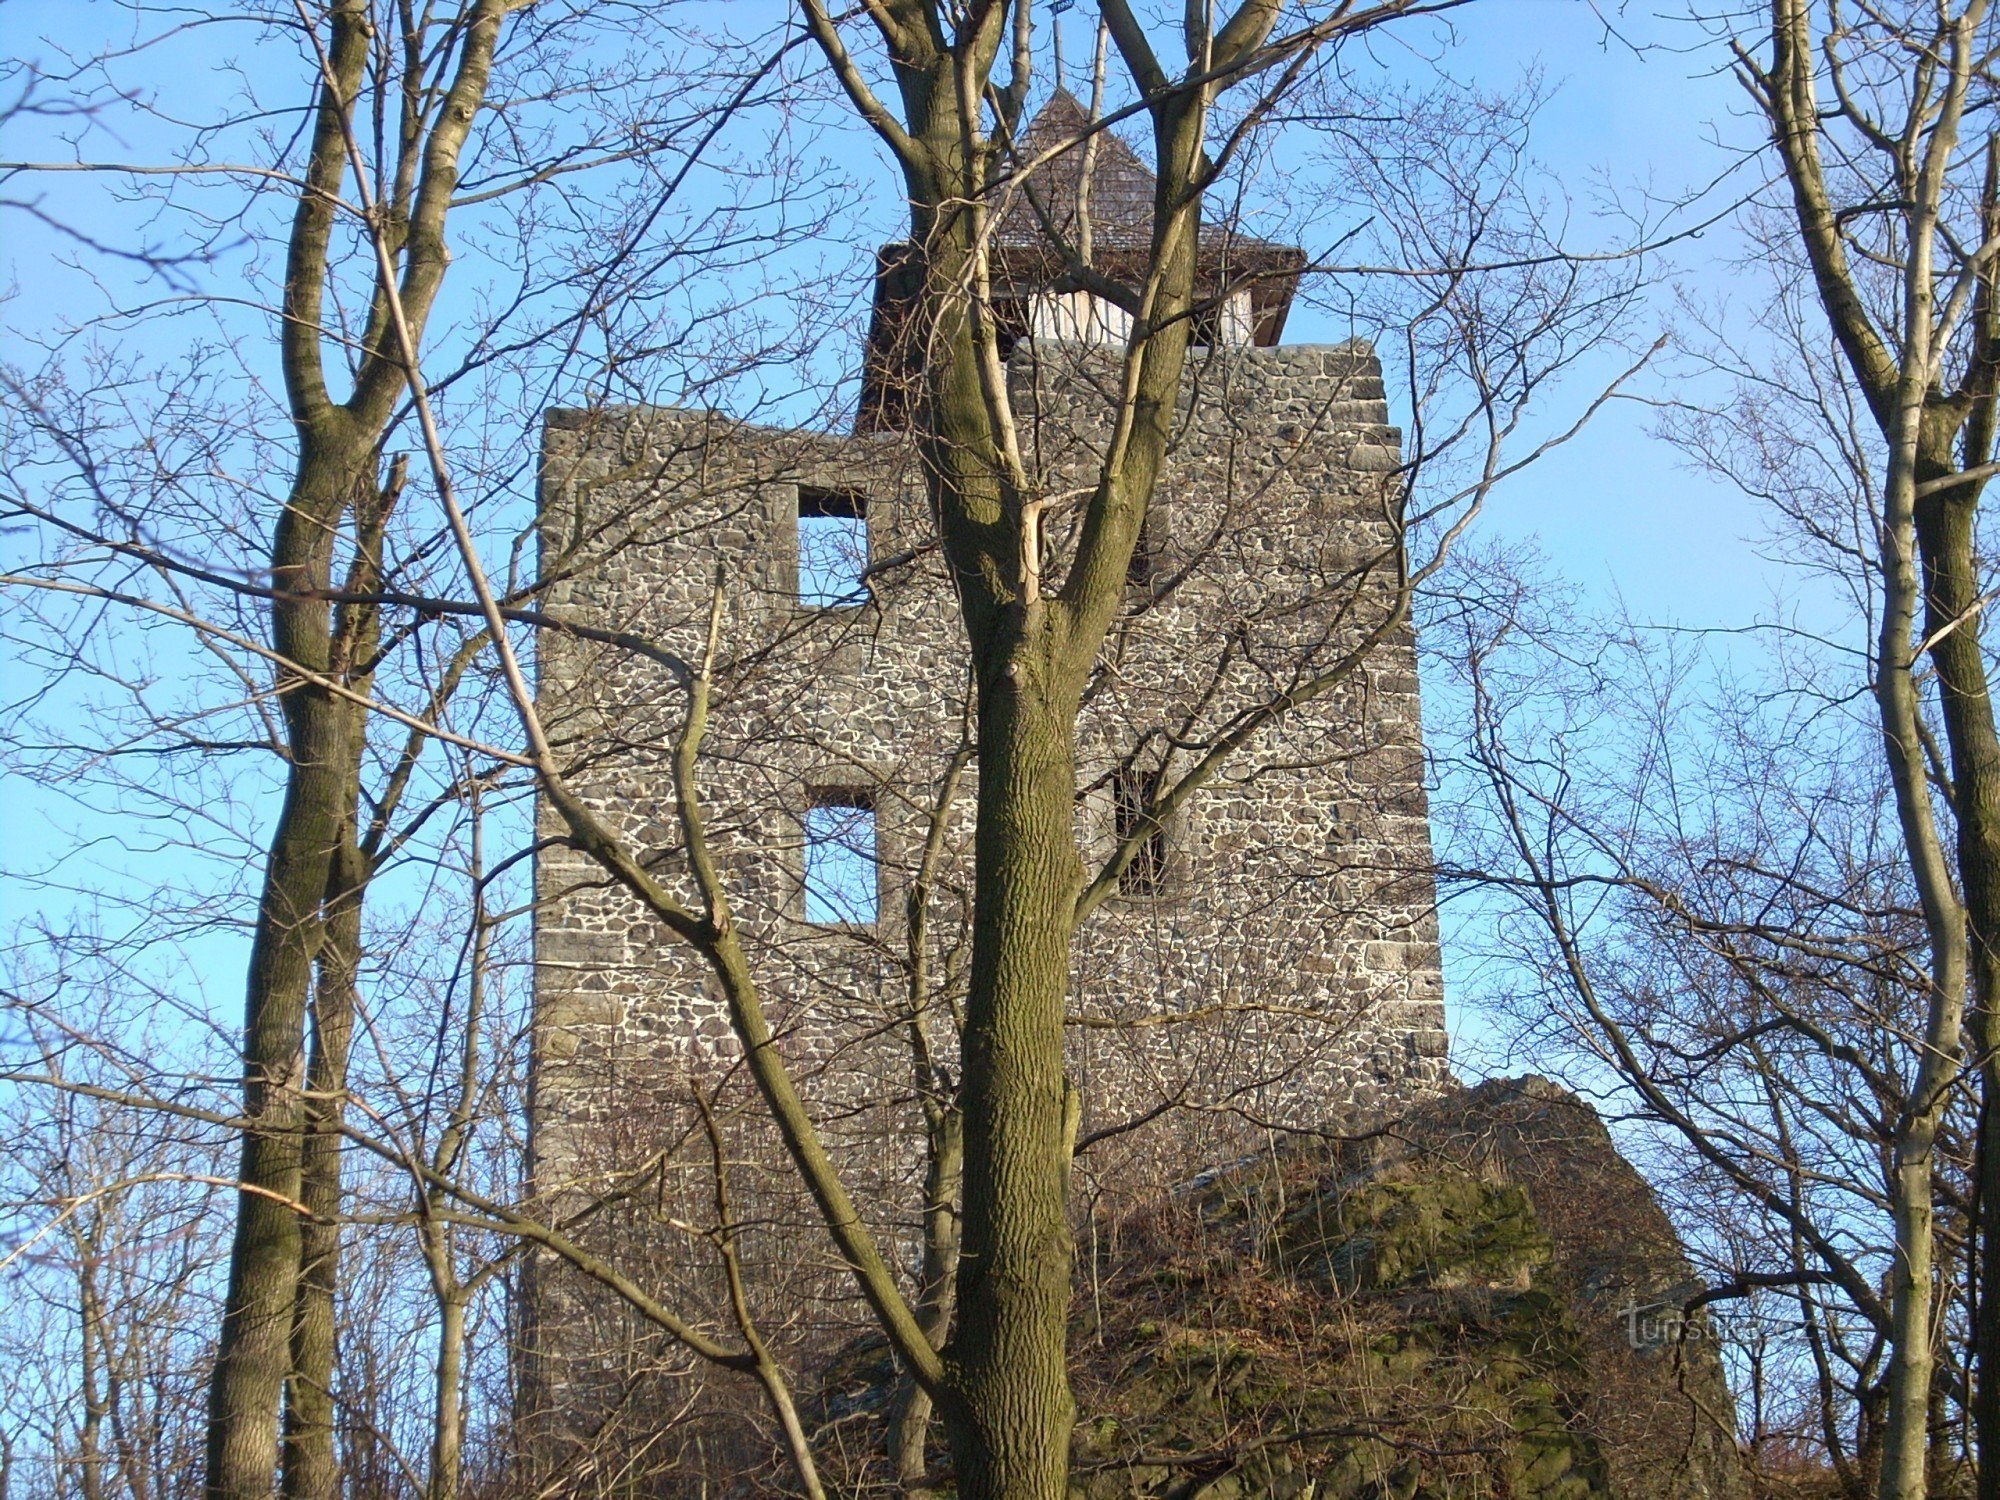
1901	382
254	1358
944	1143
943	1175
337	456
311	1460
1011	1413
1007	1408
95	1349
1986	1304
1947	524
311	1465
448	1420
1913	1140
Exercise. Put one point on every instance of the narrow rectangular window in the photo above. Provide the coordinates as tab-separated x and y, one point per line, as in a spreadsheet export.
1223	320
1010	323
841	862
1146	875
833	548
1203	323
1148	566
1139	568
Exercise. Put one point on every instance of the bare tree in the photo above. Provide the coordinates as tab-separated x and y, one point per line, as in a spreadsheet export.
1692	871
115	1235
1892	185
378	663
407	118
1842	963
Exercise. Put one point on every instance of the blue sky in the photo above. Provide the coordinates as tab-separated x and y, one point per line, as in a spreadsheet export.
1617	510
1637	112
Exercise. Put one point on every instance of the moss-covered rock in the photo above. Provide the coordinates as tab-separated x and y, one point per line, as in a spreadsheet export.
1415	1228
1386	1338
1433	1313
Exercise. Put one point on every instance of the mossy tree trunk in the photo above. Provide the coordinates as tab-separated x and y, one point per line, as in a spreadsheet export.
311	1467
254	1358
1007	1407
1010	1412
1947	526
276	1341
1939	313
310	1463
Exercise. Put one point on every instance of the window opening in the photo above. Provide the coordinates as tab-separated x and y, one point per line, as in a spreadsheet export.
841	860
1010	323
833	548
1222	321
1139	567
1146	874
1077	317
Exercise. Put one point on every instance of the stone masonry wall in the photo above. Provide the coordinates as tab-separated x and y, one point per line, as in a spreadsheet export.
1284	972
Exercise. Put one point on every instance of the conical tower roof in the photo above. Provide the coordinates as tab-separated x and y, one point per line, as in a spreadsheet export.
1121	186
1120	201
1039	228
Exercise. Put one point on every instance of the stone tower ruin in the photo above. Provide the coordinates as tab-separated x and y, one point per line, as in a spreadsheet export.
1269	961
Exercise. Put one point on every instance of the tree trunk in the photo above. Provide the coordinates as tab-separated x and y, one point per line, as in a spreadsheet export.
448	1422
1906	1445
253	1357
253	1360
1986	1260
1912	1293
311	1460
1011	1413
96	1352
337	456
1899	382
1947	523
943	1171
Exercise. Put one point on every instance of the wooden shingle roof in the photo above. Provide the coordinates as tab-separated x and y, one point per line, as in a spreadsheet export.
1039	226
1120	199
1121	185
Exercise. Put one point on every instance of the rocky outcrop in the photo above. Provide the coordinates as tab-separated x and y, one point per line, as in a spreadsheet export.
1442	1309
1655	1399
1449	1309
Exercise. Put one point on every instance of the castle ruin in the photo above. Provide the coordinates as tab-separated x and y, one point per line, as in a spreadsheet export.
1270	960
